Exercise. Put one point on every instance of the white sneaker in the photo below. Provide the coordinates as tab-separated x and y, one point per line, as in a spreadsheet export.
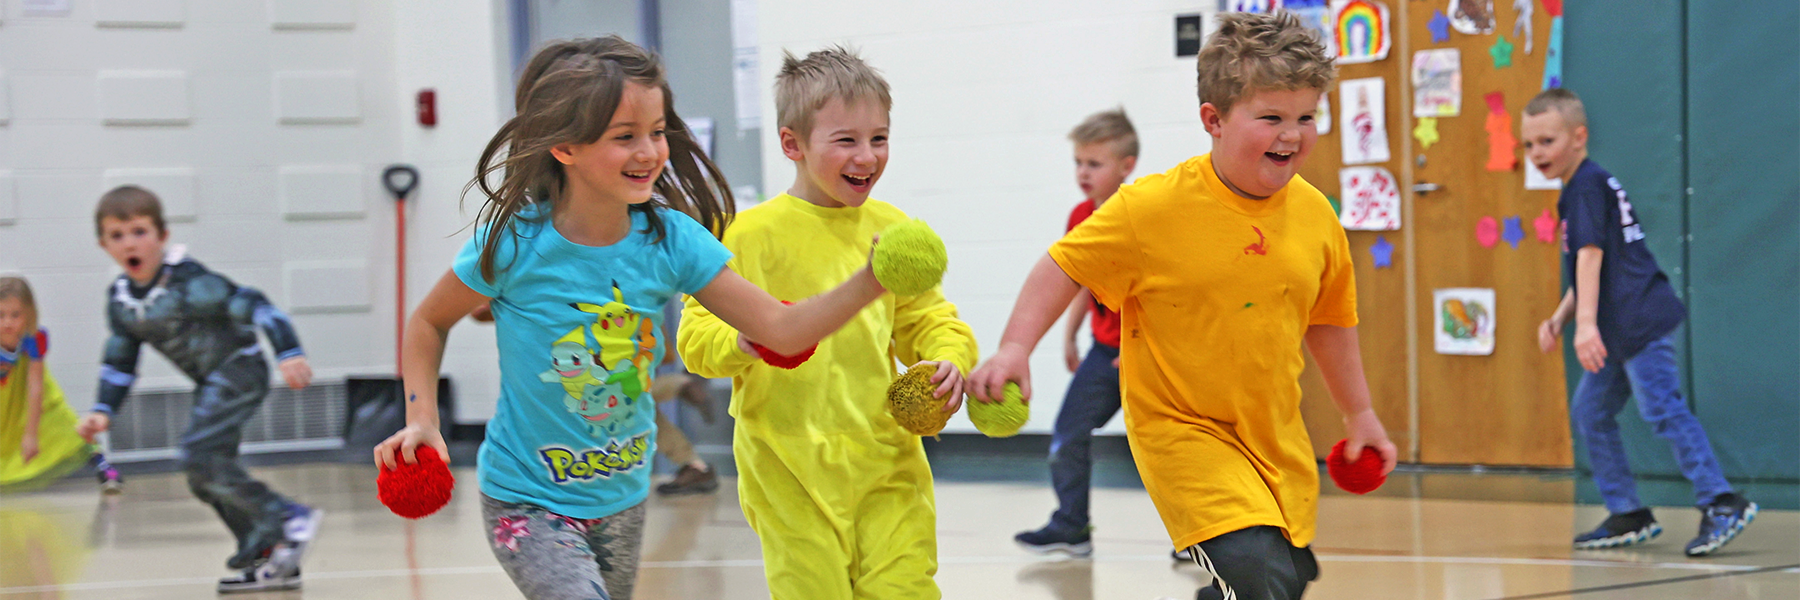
265	576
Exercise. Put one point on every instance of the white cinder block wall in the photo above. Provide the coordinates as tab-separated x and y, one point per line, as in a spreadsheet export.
264	126
985	94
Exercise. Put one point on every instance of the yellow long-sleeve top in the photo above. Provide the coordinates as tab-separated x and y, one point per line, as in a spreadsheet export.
796	250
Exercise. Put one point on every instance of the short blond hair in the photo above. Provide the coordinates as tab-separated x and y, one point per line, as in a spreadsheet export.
1253	53
1564	102
1107	126
804	85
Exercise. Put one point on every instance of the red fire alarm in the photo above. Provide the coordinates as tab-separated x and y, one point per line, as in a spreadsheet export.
427	107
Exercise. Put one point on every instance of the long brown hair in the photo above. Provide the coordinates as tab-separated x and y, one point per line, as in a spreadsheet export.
567	95
13	286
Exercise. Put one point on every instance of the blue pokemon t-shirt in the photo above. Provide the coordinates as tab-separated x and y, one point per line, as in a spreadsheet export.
579	334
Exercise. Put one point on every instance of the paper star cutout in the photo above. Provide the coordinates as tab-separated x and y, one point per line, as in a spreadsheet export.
1487	232
1426	132
1383	252
1502	52
1515	231
1546	227
1440	27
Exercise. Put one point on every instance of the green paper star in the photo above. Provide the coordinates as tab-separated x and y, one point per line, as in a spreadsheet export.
1502	52
1426	132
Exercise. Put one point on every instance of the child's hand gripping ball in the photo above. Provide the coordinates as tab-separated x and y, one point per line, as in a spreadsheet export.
1003	418
1360	477
416	490
786	362
911	402
910	259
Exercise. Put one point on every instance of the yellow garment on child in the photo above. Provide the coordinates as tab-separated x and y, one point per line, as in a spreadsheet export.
60	450
840	495
1217	292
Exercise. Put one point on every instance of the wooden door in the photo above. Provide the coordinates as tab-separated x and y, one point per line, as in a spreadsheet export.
1510	407
1380	293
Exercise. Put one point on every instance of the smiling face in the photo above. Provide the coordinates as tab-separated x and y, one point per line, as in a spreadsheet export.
838	162
621	166
1261	142
1552	145
136	244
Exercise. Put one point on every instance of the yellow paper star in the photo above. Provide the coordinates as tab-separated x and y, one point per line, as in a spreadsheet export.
1426	132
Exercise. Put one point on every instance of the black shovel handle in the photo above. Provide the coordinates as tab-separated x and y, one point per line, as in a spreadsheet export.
400	180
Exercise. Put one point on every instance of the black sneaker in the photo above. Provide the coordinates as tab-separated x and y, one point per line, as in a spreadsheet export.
263	577
1721	521
110	480
1047	540
1620	530
690	480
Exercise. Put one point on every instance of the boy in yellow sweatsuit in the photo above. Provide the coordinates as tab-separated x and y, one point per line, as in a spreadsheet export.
839	493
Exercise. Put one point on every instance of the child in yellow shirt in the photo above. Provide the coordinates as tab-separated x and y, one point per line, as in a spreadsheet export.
838	492
1222	269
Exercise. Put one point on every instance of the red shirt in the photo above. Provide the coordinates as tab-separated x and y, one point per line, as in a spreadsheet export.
1105	322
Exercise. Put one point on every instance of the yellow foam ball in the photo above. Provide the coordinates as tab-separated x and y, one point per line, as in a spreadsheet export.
1003	418
911	402
910	258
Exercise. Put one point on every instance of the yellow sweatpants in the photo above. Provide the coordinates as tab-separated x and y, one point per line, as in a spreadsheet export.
840	516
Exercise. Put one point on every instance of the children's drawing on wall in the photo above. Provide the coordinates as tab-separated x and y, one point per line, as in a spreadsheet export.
1364	117
1472	17
1371	199
1249	6
1465	320
1522	22
1437	83
1316	15
1360	30
1323	118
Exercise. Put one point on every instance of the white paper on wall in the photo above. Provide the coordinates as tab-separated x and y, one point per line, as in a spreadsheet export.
1464	319
1371	199
1437	83
1363	103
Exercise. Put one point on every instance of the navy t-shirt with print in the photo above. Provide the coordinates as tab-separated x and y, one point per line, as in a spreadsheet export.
1637	305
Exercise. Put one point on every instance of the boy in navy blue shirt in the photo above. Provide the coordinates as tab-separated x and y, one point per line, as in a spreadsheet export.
1625	314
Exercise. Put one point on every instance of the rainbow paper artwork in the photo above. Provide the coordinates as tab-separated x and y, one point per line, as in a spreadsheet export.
1360	31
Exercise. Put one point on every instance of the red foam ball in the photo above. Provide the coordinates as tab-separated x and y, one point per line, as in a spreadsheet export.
1360	477
416	490
777	359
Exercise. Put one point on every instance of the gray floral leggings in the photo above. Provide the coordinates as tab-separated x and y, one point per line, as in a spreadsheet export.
553	557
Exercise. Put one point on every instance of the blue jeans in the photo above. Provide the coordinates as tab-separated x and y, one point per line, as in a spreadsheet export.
1092	400
1652	374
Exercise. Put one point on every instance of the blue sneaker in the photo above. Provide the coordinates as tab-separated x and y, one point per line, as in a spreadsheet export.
1720	522
1047	540
1620	530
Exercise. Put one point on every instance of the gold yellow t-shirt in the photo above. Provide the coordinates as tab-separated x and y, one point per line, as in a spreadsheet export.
1217	292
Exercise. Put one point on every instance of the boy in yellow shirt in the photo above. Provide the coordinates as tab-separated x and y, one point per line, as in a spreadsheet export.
838	492
1222	268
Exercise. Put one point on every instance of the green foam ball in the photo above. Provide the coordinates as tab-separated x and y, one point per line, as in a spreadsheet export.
910	258
1003	418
